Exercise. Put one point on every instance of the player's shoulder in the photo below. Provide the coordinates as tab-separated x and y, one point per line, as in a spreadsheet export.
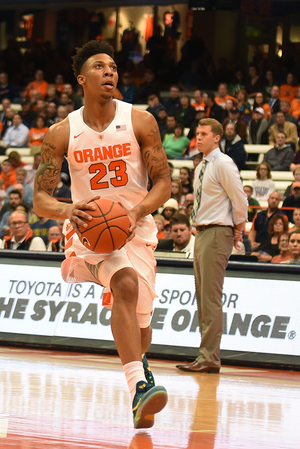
60	127
144	117
142	123
58	133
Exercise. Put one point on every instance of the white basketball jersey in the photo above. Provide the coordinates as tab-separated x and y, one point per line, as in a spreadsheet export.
109	164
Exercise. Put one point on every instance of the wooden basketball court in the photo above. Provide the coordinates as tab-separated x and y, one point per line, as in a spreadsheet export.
66	400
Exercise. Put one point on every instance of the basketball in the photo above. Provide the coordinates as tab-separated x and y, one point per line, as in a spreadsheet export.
108	229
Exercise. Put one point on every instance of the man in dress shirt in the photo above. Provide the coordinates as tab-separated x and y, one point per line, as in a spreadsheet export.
219	220
22	237
17	134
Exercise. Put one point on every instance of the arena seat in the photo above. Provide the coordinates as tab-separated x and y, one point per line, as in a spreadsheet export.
258	152
282	179
15	106
27	159
22	151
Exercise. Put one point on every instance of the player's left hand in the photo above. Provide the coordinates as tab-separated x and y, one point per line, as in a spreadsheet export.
132	227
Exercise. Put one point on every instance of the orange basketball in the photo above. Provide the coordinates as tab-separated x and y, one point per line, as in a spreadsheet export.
108	229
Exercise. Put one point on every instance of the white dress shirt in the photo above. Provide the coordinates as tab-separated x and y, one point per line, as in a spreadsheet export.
16	136
223	199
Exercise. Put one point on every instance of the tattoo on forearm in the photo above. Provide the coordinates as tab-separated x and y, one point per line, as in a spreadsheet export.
48	170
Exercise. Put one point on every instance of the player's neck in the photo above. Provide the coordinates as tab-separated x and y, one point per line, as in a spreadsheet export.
98	115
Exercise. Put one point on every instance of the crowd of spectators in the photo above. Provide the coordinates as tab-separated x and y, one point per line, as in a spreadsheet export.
261	107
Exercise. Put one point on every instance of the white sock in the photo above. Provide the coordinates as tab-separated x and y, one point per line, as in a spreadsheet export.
134	372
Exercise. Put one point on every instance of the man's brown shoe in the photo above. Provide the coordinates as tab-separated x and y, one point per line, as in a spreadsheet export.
198	367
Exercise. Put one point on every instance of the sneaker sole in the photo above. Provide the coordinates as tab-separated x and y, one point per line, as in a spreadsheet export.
153	402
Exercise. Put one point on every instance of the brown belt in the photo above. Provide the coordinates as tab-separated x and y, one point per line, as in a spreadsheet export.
203	227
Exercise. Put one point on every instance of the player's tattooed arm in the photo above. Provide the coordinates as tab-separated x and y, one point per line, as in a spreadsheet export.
155	159
154	155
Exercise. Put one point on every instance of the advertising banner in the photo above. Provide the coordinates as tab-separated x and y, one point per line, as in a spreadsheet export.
260	315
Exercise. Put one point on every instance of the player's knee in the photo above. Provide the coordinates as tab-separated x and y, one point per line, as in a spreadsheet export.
124	284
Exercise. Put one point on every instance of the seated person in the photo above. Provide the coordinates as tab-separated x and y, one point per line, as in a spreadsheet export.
56	239
37	133
15	200
232	145
269	247
185	113
154	105
171	123
8	174
21	236
21	175
283	244
160	224
258	128
177	192
263	186
16	136
186	180
296	174
176	145
42	226
282	125
198	100
127	88
296	220
251	202
181	233
261	221
162	121
280	157
167	230
187	210
240	126
223	95
292	201
62	191
294	247
169	209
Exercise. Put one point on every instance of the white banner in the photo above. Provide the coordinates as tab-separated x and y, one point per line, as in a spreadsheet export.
260	315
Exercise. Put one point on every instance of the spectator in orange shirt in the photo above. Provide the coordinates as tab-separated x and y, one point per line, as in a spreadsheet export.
295	105
289	90
223	95
261	102
59	83
7	174
15	160
37	133
160	224
39	84
283	244
198	103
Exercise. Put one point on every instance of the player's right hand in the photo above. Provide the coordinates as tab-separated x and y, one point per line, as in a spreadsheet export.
78	213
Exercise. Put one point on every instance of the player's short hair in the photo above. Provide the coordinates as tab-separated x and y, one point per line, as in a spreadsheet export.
91	48
216	127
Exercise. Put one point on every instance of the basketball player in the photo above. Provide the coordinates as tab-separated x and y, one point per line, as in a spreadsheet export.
111	148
